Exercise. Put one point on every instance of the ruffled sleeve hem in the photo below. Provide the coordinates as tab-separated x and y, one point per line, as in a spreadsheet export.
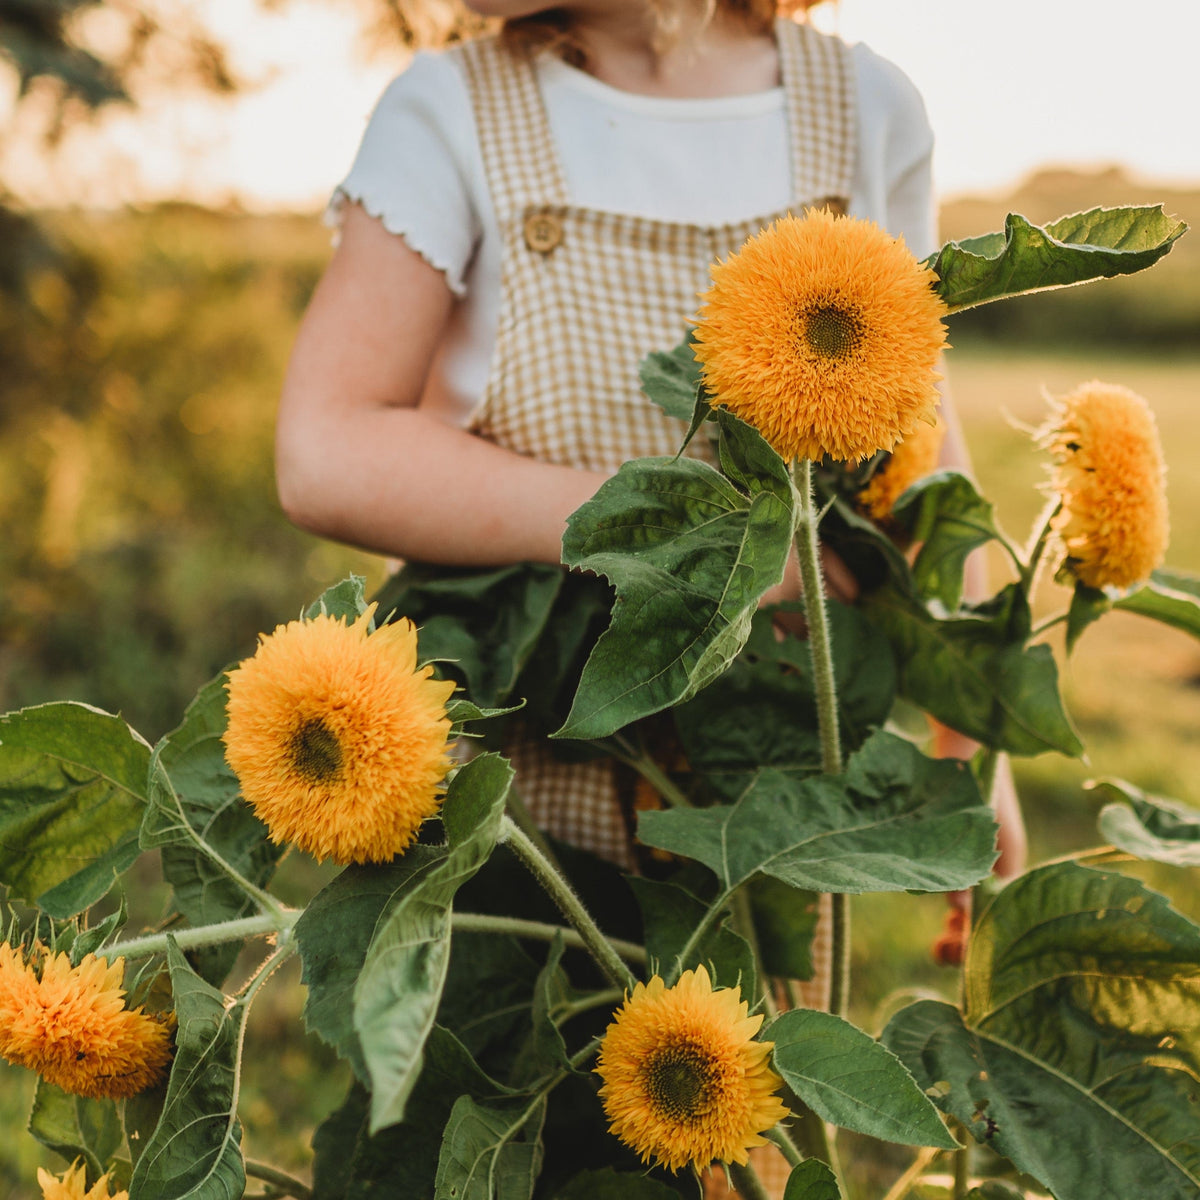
398	223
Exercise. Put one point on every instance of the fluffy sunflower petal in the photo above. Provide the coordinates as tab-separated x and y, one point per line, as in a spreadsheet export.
1110	478
684	1081
338	740
911	459
72	1185
824	333
71	1025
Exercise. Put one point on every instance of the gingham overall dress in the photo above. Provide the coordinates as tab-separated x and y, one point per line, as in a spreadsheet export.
585	295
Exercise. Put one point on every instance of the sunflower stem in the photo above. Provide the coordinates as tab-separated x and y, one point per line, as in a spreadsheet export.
824	685
646	767
905	1183
789	1149
541	931
1037	546
268	1174
747	1182
743	922
569	904
523	819
204	935
1048	624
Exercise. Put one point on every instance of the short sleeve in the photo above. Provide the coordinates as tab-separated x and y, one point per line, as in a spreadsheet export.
413	170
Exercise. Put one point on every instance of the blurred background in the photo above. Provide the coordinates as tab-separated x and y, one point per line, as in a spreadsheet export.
163	165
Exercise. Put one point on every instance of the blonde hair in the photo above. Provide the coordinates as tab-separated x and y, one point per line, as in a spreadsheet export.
430	23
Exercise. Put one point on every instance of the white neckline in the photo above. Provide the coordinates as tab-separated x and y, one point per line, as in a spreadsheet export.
552	70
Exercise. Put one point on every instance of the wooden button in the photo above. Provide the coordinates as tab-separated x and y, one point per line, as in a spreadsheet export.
543	231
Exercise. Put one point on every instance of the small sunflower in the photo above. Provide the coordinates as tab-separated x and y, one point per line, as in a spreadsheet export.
684	1081
824	333
1111	480
912	459
71	1026
72	1185
338	740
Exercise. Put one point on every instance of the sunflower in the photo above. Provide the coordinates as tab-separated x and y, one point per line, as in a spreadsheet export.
1111	481
683	1080
72	1185
824	333
71	1026
912	459
338	740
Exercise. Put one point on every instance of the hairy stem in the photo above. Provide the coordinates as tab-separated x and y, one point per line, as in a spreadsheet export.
747	1182
825	687
288	1185
569	904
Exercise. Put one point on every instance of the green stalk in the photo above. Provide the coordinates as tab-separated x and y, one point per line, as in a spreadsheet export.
268	1174
783	1140
825	687
569	904
265	926
747	1182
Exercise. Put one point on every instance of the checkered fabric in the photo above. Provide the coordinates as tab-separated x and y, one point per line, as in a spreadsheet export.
585	296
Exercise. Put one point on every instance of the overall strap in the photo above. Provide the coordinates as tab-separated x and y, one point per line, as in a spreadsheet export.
513	129
818	77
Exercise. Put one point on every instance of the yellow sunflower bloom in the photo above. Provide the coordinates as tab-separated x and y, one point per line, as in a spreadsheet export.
337	739
824	333
684	1081
71	1026
912	459
1109	475
72	1185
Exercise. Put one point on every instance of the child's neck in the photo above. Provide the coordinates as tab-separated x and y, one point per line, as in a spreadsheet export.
705	59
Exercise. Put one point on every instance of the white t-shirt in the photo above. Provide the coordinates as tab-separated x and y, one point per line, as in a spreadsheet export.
705	161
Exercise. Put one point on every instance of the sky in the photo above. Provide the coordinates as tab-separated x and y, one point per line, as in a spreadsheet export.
1010	86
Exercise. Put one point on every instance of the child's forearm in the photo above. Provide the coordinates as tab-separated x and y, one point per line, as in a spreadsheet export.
402	482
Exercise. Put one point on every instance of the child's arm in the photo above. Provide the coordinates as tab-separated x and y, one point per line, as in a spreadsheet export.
358	460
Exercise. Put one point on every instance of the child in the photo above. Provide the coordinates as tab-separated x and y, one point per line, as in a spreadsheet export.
527	217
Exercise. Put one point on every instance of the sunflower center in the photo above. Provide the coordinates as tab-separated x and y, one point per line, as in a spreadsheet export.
678	1079
316	752
833	331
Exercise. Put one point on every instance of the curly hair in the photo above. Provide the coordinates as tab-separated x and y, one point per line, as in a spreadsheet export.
428	23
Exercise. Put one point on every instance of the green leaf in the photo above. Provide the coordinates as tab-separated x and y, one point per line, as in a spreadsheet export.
846	1077
547	1052
195	1151
1150	827
608	1184
974	672
996	1189
334	934
397	993
671	916
671	379
894	821
1087	606
491	1152
195	802
401	1160
1171	597
690	555
345	601
812	1180
762	712
76	1128
1097	244
482	625
948	516
72	794
488	996
1081	1029
785	921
